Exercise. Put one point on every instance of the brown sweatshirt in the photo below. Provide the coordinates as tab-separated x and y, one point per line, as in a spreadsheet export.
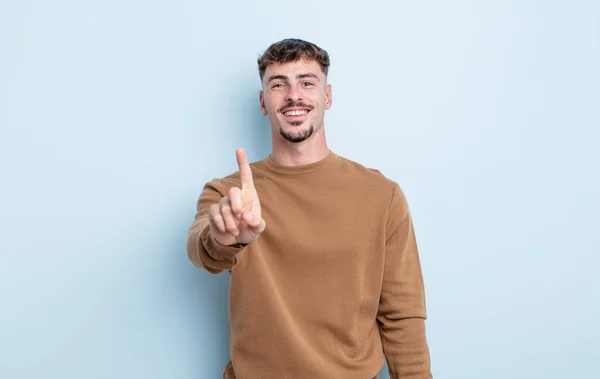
331	286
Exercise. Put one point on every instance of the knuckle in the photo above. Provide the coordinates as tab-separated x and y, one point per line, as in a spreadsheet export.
236	206
225	204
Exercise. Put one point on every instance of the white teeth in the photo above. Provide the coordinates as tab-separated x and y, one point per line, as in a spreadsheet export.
295	113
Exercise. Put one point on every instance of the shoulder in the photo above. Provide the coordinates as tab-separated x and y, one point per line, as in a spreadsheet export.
223	184
388	191
233	179
369	176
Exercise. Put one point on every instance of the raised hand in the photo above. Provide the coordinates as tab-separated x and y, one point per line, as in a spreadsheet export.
237	219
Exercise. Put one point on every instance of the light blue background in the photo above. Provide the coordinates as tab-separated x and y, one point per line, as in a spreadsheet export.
114	114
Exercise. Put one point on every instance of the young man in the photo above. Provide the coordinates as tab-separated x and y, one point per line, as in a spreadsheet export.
325	273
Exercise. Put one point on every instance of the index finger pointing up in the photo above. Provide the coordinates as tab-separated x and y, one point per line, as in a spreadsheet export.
245	171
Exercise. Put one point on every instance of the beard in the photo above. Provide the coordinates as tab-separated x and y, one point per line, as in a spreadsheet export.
296	137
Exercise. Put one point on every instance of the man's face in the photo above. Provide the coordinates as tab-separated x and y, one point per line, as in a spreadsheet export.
295	96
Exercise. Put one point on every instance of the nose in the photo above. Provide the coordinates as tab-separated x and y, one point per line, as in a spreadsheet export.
293	94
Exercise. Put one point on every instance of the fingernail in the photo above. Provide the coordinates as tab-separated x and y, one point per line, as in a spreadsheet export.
248	217
239	217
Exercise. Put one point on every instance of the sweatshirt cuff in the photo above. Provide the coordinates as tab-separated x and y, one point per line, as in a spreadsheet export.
216	250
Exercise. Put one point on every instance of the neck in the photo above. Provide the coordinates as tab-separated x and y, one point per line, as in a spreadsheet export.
288	153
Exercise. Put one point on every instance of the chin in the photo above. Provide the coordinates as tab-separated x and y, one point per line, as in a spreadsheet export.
296	135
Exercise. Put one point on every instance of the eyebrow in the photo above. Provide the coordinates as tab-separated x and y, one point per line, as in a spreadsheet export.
299	76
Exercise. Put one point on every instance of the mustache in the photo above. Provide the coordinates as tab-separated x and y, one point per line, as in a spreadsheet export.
295	105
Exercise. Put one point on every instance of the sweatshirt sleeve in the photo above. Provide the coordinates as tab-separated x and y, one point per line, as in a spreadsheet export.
203	250
402	310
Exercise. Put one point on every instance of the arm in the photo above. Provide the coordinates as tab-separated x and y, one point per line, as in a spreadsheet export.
402	310
227	219
202	249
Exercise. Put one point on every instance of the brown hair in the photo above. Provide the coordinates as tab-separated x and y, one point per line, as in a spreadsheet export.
291	50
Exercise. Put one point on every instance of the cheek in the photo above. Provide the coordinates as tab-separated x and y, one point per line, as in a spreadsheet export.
269	106
272	102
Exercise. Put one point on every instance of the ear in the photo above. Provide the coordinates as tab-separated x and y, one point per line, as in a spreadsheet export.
263	106
328	98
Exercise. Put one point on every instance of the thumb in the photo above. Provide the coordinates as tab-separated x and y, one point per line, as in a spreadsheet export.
257	225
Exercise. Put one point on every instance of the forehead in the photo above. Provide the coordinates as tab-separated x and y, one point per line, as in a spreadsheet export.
291	69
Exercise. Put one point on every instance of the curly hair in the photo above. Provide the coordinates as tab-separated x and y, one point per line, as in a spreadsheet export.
291	50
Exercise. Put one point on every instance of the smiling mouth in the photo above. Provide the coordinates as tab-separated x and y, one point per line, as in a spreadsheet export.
296	113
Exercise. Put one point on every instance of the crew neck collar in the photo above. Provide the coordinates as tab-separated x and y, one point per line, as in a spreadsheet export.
303	169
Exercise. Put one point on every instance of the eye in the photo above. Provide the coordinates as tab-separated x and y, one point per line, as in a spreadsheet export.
307	84
278	85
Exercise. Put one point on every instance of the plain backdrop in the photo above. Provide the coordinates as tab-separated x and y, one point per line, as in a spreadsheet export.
114	114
